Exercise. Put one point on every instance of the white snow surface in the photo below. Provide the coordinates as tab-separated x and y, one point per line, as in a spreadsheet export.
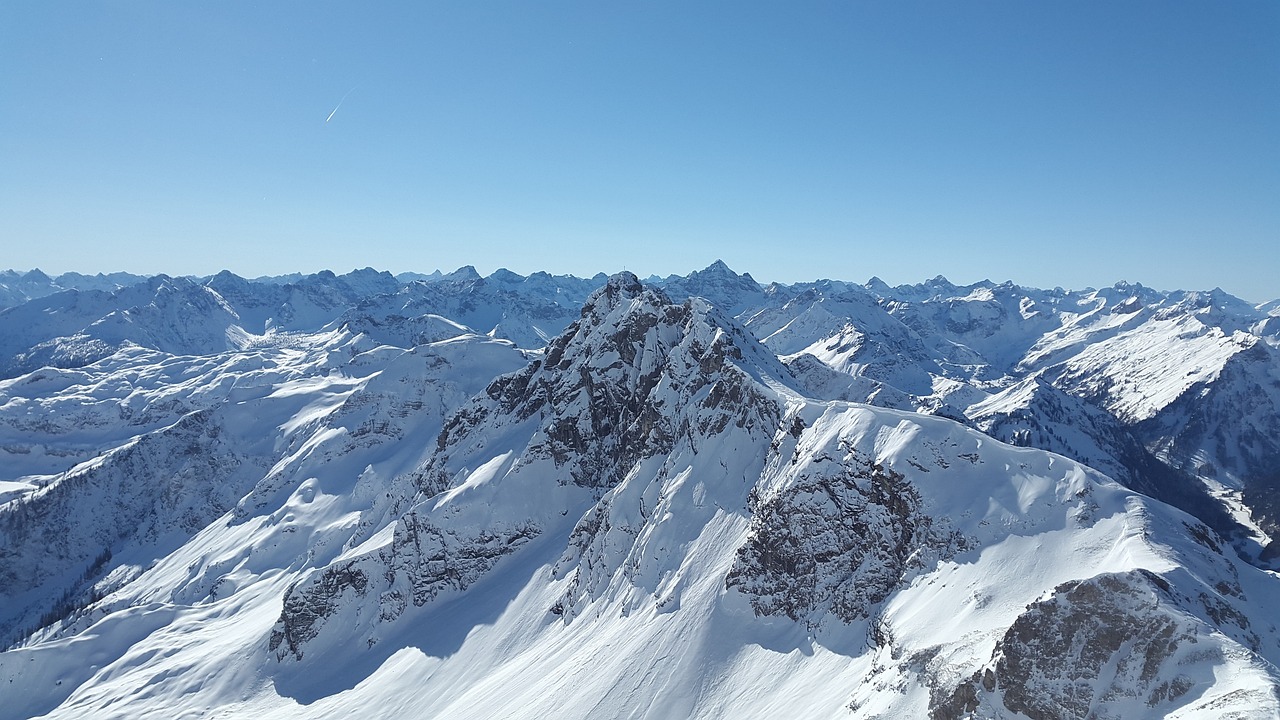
564	589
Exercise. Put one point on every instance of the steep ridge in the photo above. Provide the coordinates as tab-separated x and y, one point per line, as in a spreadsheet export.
850	333
981	334
652	516
936	346
179	316
1227	431
157	448
740	519
237	432
1149	363
736	295
1034	413
633	378
1198	390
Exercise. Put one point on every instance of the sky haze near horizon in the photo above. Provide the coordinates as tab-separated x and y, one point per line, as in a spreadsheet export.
1052	144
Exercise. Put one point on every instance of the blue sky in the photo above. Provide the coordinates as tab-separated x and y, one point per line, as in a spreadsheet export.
1050	143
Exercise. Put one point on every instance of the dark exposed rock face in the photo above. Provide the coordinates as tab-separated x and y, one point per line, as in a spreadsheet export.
307	607
838	540
425	560
634	376
617	407
678	383
422	561
1114	638
617	386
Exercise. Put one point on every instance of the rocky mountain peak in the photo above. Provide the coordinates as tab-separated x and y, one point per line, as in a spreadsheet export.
619	288
727	290
613	387
466	273
36	275
720	269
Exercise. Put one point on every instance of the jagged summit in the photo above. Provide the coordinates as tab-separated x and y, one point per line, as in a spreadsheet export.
727	290
721	270
632	356
619	288
466	273
648	428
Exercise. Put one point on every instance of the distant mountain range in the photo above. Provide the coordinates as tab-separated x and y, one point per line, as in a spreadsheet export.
451	495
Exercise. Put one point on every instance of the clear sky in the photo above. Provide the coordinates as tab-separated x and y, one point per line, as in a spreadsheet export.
1048	143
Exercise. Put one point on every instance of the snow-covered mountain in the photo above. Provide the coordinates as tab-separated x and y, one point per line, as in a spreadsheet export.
542	496
17	288
179	316
529	311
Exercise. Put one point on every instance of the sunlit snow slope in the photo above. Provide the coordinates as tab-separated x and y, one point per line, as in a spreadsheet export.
652	516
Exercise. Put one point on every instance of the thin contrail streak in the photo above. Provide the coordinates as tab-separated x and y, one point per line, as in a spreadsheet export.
335	107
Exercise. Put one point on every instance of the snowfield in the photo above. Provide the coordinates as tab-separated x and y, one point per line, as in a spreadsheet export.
512	497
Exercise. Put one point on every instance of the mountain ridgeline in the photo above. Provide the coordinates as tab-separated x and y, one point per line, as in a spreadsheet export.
450	495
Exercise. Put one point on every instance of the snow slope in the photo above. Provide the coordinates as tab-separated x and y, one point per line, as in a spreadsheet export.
649	519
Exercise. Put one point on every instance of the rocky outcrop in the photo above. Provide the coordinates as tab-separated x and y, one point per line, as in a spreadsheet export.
1095	648
837	540
423	561
635	377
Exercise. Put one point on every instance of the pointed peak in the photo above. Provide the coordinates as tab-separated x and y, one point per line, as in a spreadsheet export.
464	273
412	277
878	286
225	280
